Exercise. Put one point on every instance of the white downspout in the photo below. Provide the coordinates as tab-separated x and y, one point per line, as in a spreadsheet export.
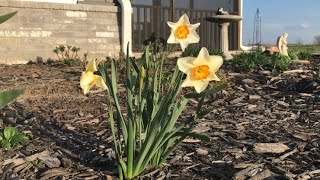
126	34
245	48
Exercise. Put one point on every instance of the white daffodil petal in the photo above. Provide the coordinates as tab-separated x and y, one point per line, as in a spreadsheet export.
171	24
184	44
202	57
100	83
199	86
193	38
214	63
172	39
185	64
213	77
193	27
91	66
184	19
187	82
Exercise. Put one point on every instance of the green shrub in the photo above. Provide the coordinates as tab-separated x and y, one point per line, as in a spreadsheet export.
305	56
293	56
194	51
279	62
252	60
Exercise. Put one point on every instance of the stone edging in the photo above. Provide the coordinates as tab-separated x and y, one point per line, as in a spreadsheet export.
58	6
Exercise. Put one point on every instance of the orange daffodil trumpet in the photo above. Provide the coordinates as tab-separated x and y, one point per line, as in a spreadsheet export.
89	79
201	70
183	32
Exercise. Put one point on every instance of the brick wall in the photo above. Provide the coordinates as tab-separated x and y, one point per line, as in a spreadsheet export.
39	27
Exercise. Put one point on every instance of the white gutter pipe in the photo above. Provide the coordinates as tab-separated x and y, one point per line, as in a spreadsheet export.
245	48
126	34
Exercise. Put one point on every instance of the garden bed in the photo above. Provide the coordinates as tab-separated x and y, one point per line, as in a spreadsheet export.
71	137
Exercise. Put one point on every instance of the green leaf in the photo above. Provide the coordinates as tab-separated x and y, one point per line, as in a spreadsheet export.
209	92
5	17
204	112
8	96
124	168
1	137
9	132
5	144
20	138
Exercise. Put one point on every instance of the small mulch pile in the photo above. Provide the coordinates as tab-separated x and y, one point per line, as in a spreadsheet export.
264	125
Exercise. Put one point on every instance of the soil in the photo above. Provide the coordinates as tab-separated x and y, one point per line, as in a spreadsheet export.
264	125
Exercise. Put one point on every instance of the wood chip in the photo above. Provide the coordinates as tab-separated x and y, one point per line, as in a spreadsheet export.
237	100
254	97
305	62
200	130
296	71
248	81
188	140
263	175
303	136
245	165
275	148
53	172
202	152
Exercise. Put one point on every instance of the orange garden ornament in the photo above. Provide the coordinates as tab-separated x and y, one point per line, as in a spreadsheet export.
183	32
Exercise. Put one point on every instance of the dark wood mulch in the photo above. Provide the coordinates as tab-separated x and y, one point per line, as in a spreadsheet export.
264	125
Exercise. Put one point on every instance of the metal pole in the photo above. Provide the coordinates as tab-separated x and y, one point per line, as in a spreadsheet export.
172	10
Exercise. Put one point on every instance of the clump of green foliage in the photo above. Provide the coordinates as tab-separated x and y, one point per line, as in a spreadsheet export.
68	54
11	138
317	68
250	60
255	59
293	56
279	62
194	51
304	55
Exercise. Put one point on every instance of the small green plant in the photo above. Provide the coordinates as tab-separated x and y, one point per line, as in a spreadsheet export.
68	54
12	138
279	62
305	55
194	51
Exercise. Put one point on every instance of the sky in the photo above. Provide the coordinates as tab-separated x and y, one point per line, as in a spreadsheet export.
299	18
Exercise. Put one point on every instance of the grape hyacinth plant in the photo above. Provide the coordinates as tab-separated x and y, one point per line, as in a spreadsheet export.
151	126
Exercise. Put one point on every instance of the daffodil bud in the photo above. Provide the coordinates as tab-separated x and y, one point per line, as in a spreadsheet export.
142	72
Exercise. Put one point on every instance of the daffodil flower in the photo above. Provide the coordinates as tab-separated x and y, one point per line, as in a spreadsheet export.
183	32
201	70
89	79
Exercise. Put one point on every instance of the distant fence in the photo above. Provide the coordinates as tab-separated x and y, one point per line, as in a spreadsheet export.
148	20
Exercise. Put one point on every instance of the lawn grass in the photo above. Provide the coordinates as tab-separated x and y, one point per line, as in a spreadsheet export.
295	49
